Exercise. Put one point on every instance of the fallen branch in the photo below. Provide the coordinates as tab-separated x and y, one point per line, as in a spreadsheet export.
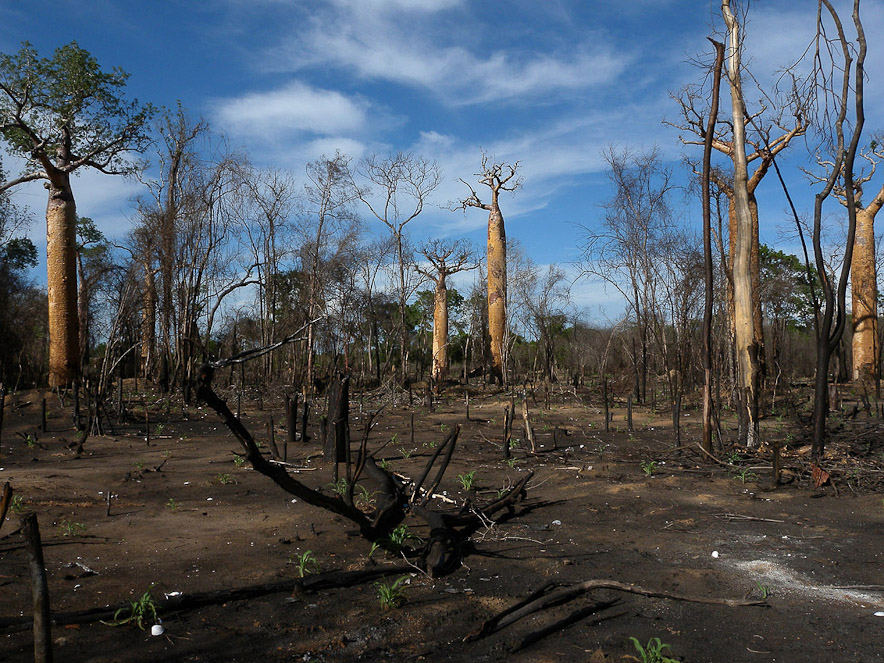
543	598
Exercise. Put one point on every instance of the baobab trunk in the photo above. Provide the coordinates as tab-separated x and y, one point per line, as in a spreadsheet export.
440	330
865	294
497	291
61	267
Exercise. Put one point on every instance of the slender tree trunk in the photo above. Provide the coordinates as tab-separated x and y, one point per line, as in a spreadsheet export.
865	295
708	404
497	291
61	264
148	322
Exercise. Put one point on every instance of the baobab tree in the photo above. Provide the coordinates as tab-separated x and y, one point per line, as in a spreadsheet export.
62	114
446	258
863	277
399	187
497	177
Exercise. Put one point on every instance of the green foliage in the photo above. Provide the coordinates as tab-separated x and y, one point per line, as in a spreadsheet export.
406	453
239	461
467	480
512	462
384	464
139	611
305	563
18	253
224	479
70	528
67	103
786	287
392	595
172	504
649	467
653	651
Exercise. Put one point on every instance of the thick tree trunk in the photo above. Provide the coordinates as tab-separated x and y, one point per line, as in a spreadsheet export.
440	330
497	292
61	269
744	291
865	295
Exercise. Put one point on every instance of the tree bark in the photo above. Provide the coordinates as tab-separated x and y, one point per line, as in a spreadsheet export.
440	330
40	590
745	295
497	291
865	295
61	264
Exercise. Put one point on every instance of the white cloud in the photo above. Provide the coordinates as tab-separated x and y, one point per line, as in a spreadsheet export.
294	108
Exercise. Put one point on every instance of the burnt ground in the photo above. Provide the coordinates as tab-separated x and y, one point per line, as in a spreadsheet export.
596	509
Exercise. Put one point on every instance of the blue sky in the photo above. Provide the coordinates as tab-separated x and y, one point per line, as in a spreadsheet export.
549	83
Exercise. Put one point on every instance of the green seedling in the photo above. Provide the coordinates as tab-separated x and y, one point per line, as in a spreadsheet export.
158	429
443	427
734	458
745	474
401	535
172	504
514	443
432	444
392	595
305	563
339	487
764	590
239	461
224	478
364	499
375	546
653	651
649	467
70	528
138	465
31	441
384	464
139	611
17	505
512	462
406	453
467	480
393	438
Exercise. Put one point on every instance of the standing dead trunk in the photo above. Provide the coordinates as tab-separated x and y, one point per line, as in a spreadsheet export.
745	295
39	590
61	264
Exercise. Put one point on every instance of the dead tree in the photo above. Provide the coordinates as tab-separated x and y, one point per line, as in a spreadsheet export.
396	499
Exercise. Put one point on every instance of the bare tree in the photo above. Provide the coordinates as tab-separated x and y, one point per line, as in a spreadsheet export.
446	258
624	252
497	177
839	78
399	187
329	194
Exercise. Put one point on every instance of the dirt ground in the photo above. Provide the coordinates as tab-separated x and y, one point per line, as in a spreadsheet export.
616	505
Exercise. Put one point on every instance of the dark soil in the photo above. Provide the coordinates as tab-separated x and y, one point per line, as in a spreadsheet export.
185	518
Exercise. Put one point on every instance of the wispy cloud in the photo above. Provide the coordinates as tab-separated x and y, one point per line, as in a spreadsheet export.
421	46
